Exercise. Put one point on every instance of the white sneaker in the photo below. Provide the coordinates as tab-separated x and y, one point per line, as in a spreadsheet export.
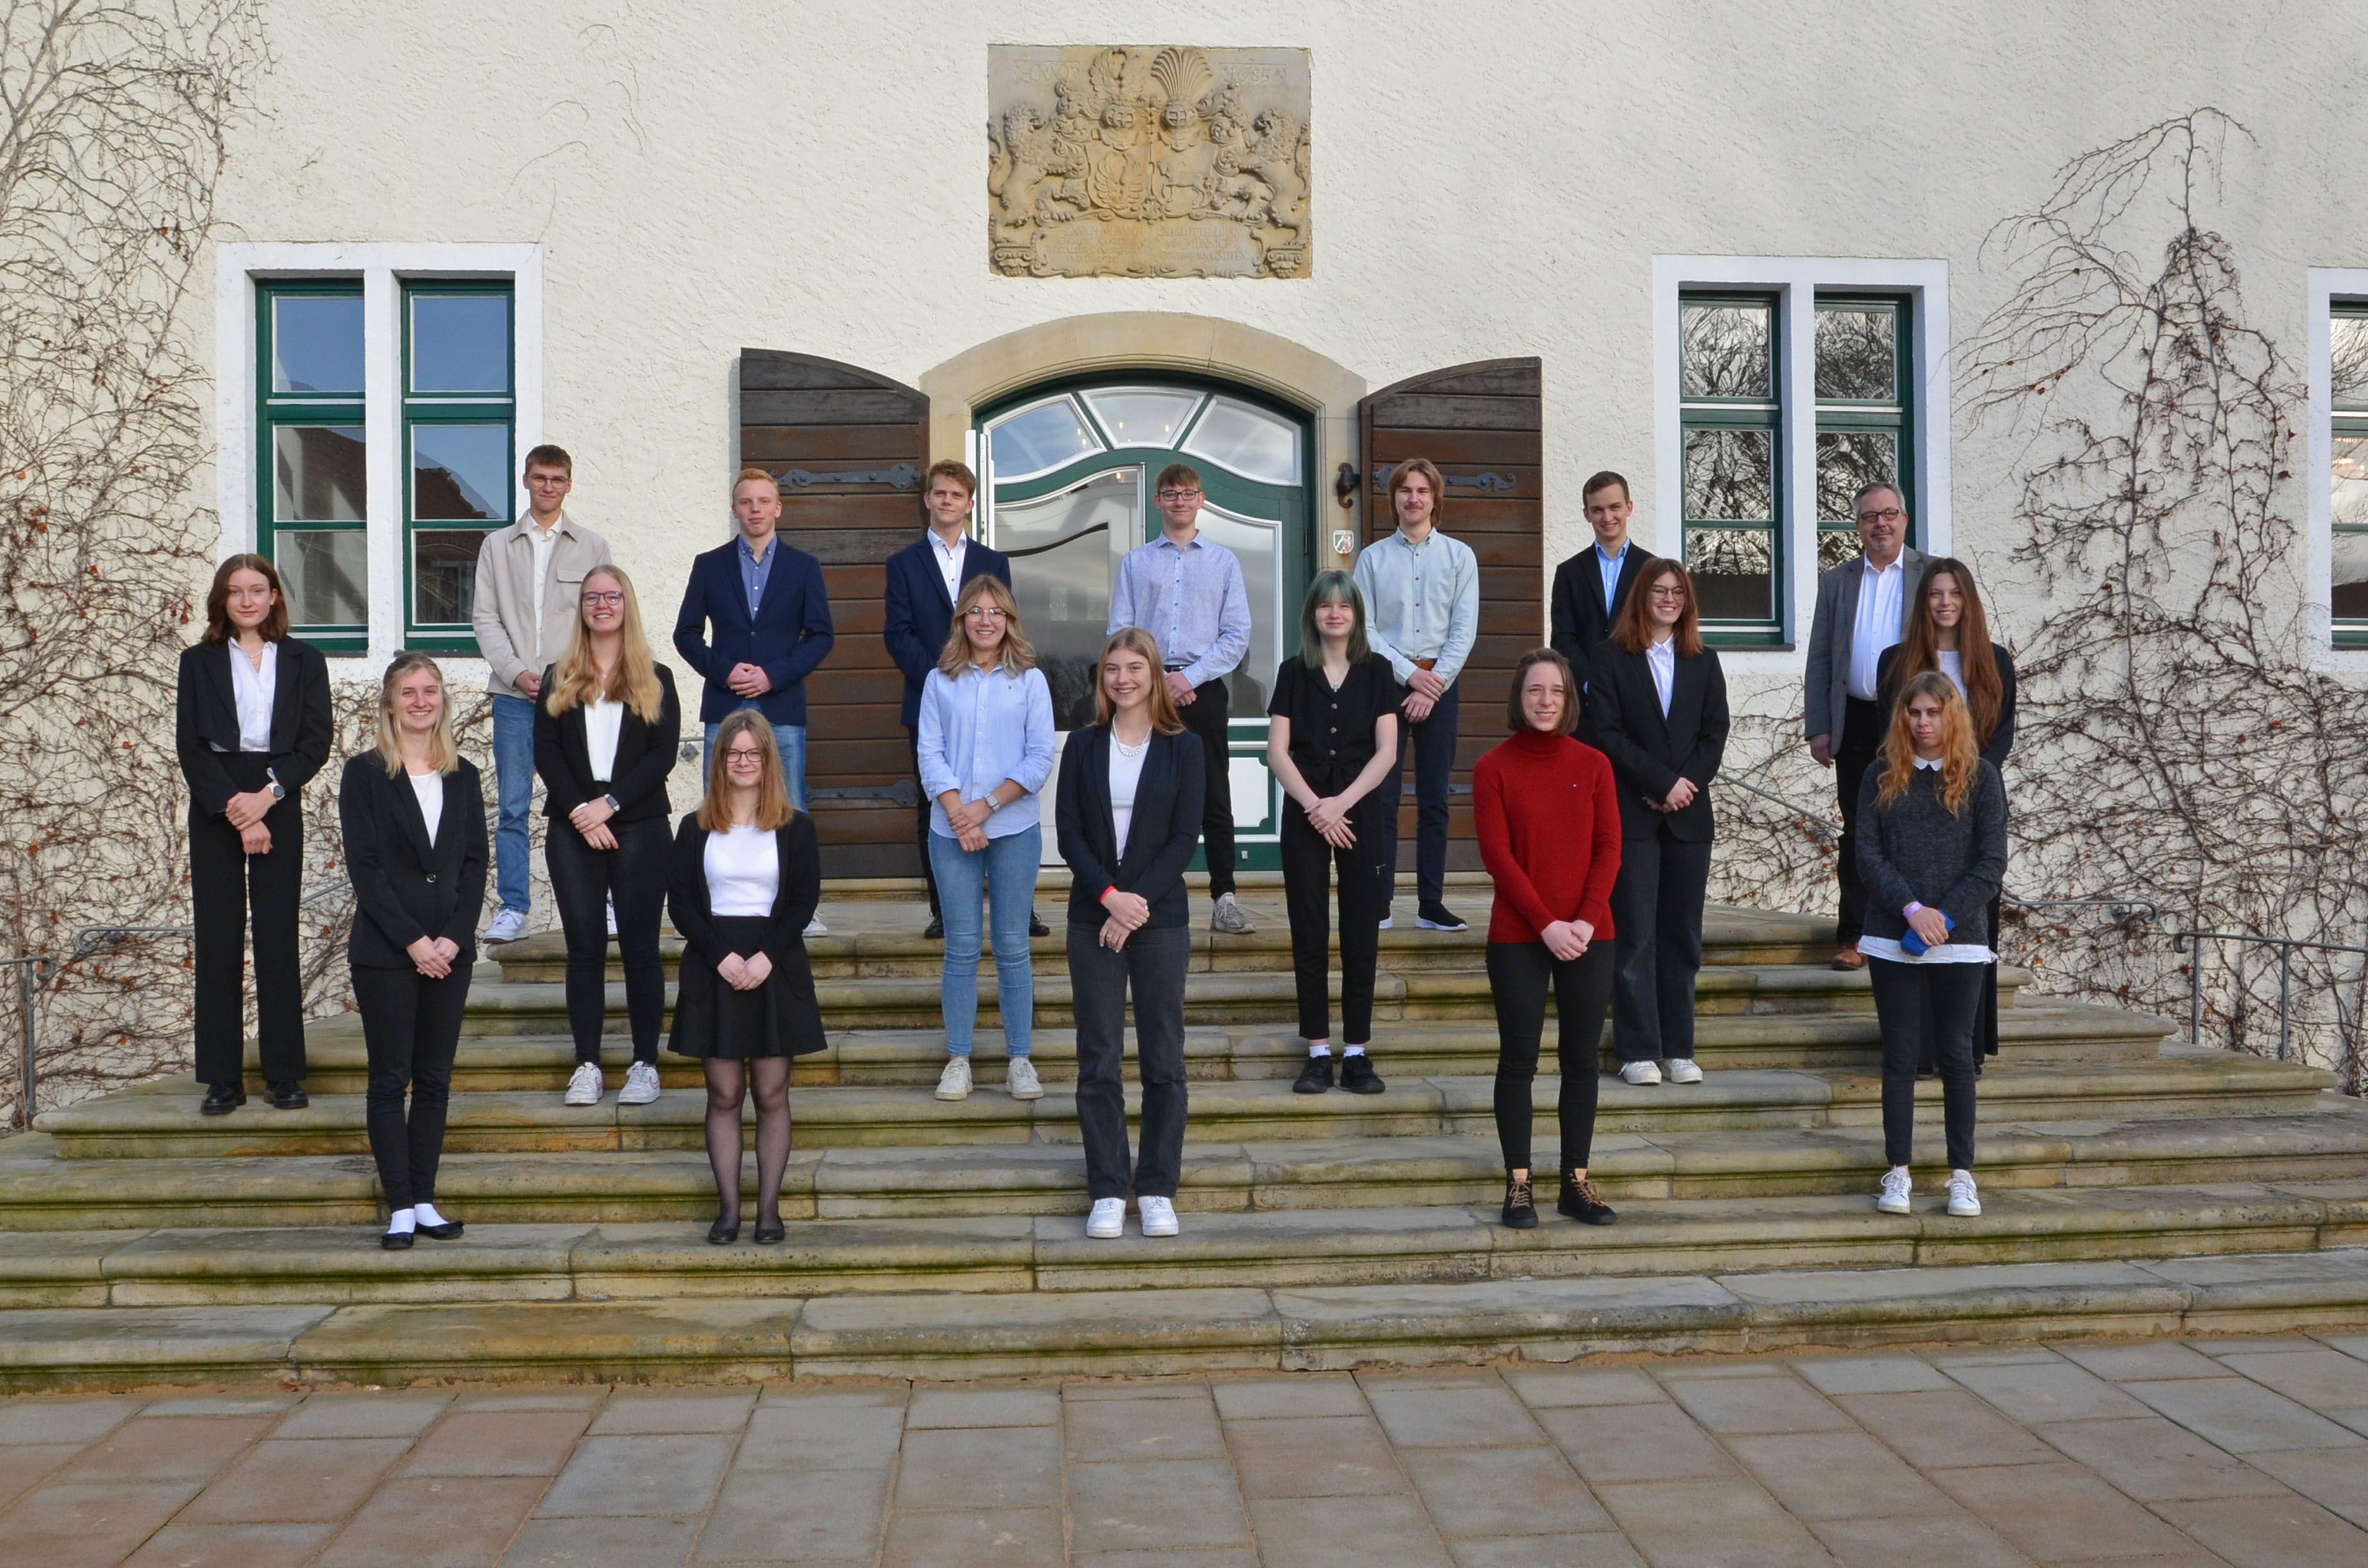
814	928
585	1087
1159	1216
1020	1077
1107	1221
1682	1070
953	1084
1644	1075
640	1084
1230	918
1385	922
612	917
507	927
1894	1198
1963	1201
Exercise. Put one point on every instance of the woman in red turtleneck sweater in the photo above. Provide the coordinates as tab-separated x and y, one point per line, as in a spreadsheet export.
1548	816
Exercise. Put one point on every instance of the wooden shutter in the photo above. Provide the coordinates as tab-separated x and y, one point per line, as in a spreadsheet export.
1481	424
849	448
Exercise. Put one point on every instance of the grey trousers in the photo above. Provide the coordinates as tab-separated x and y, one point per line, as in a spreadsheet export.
1153	963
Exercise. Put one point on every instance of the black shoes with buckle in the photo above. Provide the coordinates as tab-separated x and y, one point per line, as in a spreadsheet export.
1583	1203
222	1099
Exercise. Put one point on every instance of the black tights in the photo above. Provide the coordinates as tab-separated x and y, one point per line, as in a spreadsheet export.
1520	975
727	1085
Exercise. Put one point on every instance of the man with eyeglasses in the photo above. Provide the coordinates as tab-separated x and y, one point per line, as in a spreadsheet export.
1863	609
1188	593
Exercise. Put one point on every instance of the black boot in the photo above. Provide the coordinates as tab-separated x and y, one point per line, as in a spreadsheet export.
1583	1203
1520	1204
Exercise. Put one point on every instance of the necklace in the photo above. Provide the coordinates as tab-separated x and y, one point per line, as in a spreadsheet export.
1125	750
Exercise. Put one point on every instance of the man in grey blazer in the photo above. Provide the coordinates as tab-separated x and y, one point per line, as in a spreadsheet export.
1862	607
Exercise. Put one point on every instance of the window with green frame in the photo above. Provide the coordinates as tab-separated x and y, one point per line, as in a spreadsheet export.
2348	474
459	432
1863	413
1730	426
311	451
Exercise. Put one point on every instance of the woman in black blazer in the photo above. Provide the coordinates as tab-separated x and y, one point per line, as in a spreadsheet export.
251	724
1128	815
413	814
1658	699
746	876
605	731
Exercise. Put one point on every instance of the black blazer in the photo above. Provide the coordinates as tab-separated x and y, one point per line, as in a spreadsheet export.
406	886
796	1012
205	715
645	755
1888	683
1160	837
920	617
1650	753
1578	618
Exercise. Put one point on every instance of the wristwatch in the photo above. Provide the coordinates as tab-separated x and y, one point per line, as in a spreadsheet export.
613	806
271	782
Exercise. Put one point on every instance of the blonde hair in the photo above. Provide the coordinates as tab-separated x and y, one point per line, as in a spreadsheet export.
1017	656
1960	759
750	473
634	681
442	755
773	807
1136	639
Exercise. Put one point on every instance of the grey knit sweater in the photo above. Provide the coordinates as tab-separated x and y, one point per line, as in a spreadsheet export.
1915	851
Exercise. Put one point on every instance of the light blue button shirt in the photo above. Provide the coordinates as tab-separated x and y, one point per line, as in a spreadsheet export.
1609	566
979	729
1192	601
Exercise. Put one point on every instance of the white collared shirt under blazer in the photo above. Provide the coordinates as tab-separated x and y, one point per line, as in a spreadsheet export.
978	729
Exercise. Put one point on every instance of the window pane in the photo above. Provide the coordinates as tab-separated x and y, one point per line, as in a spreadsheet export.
1848	459
1142	417
1040	439
1857	353
1064	548
316	342
444	575
2348	483
1259	545
460	472
1836	546
317	474
1725	350
326	574
2350	342
1250	441
1730	475
2351	577
459	343
1734	573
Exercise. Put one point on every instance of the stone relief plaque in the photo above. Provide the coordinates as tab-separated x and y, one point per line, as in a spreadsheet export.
1147	162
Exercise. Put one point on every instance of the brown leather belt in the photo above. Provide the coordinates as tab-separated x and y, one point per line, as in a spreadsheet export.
1426	663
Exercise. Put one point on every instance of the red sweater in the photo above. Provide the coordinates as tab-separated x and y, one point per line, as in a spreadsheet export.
1548	816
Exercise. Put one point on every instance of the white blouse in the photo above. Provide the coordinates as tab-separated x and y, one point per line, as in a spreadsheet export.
603	721
1125	777
744	871
252	689
1952	665
430	787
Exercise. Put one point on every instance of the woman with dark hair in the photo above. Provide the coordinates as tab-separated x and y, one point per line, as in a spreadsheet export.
251	726
1658	701
413	814
1932	850
1332	744
1546	808
746	877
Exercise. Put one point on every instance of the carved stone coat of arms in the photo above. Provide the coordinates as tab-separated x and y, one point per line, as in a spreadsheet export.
1166	162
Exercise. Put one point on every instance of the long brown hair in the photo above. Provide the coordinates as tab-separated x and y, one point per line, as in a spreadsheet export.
634	682
1136	639
442	755
1017	656
1921	650
275	621
1633	631
773	806
1961	760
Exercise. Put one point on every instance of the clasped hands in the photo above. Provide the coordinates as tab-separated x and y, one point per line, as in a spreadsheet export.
968	819
1930	925
1568	940
591	819
1424	689
1681	795
247	813
1328	815
744	973
1127	913
749	680
433	956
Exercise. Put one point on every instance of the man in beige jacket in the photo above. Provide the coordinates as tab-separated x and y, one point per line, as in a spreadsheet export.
529	576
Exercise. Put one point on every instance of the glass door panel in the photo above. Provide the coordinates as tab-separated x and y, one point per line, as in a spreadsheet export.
1065	548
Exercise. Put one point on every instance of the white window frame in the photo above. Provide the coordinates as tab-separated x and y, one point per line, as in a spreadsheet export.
1796	282
382	268
2324	286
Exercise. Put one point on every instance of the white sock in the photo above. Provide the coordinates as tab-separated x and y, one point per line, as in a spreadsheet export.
1354	1050
426	1215
1319	1048
402	1222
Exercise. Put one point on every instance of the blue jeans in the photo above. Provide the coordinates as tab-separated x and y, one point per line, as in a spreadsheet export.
790	740
1004	874
514	789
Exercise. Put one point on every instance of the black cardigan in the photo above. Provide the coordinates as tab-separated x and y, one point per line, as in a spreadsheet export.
1160	837
645	755
1915	851
1888	683
1649	753
205	714
404	886
794	898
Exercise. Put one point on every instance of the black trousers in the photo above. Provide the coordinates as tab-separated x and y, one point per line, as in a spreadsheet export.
1519	973
582	881
1153	964
1855	751
1433	743
921	818
1920	1006
1206	717
410	1028
230	893
1656	914
1307	863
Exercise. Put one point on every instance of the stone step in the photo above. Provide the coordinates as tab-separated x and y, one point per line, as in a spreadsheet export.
961	1335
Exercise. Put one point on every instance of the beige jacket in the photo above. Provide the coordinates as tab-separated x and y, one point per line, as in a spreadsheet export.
504	617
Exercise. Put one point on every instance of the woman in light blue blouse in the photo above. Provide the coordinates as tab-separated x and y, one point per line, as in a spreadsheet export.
987	749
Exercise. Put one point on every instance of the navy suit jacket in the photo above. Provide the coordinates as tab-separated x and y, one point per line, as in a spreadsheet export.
919	614
788	636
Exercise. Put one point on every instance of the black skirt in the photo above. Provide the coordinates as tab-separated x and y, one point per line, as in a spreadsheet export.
713	1019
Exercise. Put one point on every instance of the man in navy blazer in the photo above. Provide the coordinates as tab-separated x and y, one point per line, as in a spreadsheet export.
923	579
769	614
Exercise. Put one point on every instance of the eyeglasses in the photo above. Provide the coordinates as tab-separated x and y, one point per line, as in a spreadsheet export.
985	612
614	600
1668	595
744	754
1179	495
1888	515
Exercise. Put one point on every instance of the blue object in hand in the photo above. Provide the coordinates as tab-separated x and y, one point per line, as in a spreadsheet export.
1914	946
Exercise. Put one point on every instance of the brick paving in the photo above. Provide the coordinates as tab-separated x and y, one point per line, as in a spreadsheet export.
2249	1453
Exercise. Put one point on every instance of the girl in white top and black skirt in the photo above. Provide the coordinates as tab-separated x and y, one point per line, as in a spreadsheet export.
745	879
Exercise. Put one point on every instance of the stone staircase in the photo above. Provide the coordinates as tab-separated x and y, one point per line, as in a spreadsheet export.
2130	1185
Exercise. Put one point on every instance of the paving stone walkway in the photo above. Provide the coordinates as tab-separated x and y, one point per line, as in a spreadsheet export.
2251	1452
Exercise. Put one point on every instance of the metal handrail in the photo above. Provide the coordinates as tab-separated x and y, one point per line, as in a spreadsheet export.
2124	908
1825	826
2285	946
33	970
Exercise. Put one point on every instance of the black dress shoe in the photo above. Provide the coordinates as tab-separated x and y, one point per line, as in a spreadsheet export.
443	1233
722	1232
768	1234
1357	1075
1521	1209
222	1099
1037	927
936	931
395	1241
1316	1077
288	1097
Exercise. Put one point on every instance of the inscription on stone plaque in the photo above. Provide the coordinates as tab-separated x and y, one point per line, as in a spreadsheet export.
1160	161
